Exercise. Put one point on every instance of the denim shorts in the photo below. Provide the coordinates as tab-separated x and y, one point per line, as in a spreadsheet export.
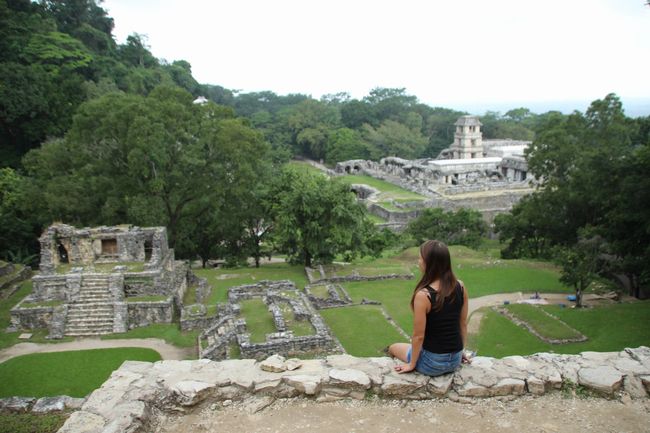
435	364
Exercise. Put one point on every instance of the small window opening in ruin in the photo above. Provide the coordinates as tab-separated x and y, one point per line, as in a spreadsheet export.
347	169
523	175
356	168
63	254
109	246
148	248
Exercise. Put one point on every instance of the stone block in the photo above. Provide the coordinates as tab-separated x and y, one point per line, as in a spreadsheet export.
535	385
604	379
306	384
49	404
83	422
349	377
191	392
16	404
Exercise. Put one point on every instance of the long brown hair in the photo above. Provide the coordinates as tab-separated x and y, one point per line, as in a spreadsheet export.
437	266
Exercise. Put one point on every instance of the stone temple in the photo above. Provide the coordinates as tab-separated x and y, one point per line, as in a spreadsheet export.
487	175
96	281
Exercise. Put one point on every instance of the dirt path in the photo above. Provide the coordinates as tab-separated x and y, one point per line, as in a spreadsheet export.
166	350
548	414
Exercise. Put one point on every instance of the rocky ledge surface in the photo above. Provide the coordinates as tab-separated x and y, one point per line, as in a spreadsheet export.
126	401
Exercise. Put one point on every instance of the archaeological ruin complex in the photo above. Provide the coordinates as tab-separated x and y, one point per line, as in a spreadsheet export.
487	175
96	281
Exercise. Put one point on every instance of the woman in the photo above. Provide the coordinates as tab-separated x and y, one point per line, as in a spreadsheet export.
439	305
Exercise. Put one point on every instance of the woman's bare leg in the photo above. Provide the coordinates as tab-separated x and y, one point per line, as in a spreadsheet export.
399	350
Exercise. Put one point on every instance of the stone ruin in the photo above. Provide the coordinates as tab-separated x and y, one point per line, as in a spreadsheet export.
227	329
138	393
96	281
487	175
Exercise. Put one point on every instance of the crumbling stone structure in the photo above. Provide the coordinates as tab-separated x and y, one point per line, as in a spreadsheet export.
228	329
89	276
130	399
486	175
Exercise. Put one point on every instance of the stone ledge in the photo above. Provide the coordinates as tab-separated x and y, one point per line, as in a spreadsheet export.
127	399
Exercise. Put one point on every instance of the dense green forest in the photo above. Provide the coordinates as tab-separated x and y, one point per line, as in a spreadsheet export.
94	132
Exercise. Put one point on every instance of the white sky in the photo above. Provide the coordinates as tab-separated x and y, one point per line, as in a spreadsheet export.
446	52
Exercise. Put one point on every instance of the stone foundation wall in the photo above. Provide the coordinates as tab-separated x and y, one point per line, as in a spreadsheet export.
285	345
146	313
49	288
125	402
31	318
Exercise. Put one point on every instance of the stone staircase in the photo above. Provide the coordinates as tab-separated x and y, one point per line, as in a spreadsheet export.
92	313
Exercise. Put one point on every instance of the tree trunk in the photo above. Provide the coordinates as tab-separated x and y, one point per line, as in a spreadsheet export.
579	290
203	262
307	259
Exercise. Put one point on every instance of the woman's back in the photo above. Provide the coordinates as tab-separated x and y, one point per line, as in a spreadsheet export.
442	331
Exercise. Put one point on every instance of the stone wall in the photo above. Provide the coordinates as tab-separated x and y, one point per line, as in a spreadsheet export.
31	318
350	278
126	401
146	313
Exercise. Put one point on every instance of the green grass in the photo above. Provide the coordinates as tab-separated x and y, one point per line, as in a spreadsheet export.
169	332
306	167
6	278
259	320
387	189
362	330
149	298
319	292
608	328
31	423
299	327
189	297
545	325
376	219
74	373
222	279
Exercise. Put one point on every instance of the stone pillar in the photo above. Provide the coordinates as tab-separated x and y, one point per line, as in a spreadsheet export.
120	317
57	325
73	287
116	286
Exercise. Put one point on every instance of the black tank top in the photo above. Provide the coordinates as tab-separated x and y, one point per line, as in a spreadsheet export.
442	331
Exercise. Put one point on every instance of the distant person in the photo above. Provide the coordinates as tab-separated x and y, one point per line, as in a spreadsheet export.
439	305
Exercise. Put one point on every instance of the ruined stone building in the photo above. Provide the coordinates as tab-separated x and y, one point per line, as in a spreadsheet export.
95	281
486	175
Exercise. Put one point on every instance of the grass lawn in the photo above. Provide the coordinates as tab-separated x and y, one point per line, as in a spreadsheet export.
222	279
362	330
259	320
387	189
31	423
609	328
376	219
305	166
299	327
74	373
170	332
149	298
545	325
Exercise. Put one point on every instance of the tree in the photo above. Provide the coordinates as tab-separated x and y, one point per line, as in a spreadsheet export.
395	139
462	227
345	144
580	264
159	160
317	218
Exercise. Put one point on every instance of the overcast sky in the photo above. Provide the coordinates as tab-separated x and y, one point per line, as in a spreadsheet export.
451	53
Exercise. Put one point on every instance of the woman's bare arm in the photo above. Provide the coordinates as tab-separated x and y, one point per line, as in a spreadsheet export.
463	317
420	306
